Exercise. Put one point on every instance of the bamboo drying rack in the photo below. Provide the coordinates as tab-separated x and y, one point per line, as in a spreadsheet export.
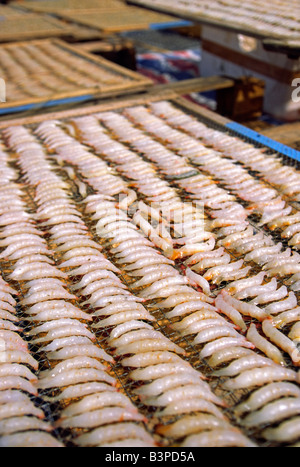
109	16
276	42
33	26
132	82
116	21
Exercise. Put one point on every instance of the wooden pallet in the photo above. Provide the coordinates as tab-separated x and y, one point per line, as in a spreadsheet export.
243	101
80	76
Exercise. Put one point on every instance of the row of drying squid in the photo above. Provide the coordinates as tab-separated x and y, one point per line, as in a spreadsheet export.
282	20
59	328
239	237
189	413
152	355
44	60
64	337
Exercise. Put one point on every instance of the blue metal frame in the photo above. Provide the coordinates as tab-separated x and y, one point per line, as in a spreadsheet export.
25	108
264	140
170	25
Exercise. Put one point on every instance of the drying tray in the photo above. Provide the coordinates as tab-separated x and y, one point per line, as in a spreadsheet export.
33	26
19	24
281	40
55	6
108	16
9	12
114	21
39	63
162	323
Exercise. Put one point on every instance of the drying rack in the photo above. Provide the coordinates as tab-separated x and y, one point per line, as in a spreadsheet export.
122	80
162	323
108	16
273	41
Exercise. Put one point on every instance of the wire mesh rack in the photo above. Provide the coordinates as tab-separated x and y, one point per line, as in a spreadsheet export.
161	323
